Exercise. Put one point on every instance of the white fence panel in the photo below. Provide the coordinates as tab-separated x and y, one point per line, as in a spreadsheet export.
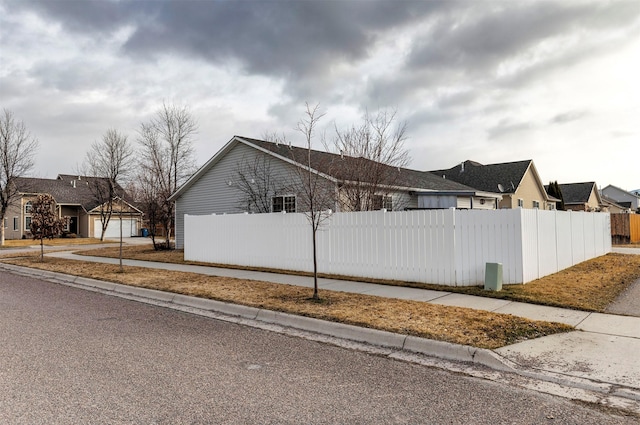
547	229
530	243
487	238
577	238
587	230
564	250
555	240
449	247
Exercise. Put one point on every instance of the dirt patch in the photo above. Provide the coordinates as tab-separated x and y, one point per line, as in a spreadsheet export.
452	324
628	302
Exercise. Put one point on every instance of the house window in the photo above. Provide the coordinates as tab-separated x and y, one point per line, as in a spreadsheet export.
536	204
27	224
28	207
16	226
283	203
521	203
383	202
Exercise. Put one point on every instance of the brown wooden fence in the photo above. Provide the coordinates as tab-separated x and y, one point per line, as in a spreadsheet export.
625	228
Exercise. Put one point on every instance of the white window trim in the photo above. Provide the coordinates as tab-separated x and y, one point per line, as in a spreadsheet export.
284	204
385	202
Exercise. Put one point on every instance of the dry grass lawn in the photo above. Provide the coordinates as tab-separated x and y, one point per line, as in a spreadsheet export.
452	324
590	286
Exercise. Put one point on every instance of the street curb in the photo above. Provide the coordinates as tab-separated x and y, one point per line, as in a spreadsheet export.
394	343
375	337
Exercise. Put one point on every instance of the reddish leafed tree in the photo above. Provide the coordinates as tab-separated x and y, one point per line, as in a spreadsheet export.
45	222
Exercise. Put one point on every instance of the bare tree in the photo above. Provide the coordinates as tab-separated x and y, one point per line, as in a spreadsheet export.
258	183
167	158
315	194
45	222
110	161
149	200
17	151
375	154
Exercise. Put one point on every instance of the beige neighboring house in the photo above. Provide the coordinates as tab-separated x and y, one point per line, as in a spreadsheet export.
518	182
582	197
612	206
73	199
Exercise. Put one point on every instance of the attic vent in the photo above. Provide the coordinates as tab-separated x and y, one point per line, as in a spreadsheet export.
73	183
462	167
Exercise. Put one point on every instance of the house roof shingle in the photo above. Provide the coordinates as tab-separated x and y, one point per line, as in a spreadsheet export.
66	189
576	193
341	167
500	178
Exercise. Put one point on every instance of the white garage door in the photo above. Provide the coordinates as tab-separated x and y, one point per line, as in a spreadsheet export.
129	228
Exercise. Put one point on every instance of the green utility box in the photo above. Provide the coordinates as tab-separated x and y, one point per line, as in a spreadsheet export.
493	277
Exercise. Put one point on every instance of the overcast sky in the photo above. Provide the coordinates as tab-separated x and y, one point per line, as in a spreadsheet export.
490	81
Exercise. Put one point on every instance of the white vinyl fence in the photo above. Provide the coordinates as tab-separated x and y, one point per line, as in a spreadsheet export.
448	247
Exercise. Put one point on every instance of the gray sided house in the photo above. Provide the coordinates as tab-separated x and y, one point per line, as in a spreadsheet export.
73	199
255	176
622	197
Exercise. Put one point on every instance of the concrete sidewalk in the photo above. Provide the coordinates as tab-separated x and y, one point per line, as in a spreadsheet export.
600	358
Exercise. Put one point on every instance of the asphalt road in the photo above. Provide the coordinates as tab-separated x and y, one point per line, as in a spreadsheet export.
69	356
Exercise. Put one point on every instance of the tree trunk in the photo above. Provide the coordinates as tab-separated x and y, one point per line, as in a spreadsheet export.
120	255
315	265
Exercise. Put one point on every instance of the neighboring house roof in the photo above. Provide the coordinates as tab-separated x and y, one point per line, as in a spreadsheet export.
621	191
501	178
66	189
340	167
578	193
337	168
613	203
